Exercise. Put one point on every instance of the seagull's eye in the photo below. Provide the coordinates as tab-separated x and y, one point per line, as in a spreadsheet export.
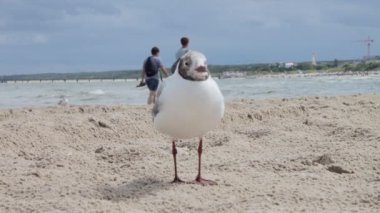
187	63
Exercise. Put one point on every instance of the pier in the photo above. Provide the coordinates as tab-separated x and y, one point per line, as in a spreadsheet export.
68	81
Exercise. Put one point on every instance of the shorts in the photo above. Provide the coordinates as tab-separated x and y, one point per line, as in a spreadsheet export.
152	84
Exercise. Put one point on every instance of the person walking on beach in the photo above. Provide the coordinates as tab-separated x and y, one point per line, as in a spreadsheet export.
150	73
182	51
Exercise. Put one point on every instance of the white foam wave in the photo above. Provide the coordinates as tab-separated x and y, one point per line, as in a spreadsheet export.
97	92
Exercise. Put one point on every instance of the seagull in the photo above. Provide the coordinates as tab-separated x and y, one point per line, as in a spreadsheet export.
189	104
64	101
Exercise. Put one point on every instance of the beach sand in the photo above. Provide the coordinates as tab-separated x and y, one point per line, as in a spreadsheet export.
312	154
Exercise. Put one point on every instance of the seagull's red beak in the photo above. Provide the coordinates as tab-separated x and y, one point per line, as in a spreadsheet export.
201	69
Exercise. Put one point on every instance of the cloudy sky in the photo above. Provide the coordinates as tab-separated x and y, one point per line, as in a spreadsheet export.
39	36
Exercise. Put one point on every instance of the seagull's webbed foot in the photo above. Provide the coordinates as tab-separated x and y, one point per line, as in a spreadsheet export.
204	182
178	180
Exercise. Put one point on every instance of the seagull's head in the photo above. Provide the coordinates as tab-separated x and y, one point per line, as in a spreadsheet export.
193	66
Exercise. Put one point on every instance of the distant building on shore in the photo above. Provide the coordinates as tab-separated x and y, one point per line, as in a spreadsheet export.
289	64
372	58
233	74
286	64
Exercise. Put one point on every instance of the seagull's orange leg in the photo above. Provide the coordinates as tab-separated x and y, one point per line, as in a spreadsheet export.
174	152
199	179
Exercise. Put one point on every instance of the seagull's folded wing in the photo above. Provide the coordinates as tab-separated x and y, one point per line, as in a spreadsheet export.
157	104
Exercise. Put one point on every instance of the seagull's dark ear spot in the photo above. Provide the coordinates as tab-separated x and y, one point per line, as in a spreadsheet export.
184	66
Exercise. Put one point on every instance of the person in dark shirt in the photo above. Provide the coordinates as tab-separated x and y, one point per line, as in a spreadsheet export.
150	73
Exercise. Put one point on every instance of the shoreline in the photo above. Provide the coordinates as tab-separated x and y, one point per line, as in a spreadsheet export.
289	155
145	105
260	76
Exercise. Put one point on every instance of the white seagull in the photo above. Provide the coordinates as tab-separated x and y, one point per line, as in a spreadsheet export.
189	104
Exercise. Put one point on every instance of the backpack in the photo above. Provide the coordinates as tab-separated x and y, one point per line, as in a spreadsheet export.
150	68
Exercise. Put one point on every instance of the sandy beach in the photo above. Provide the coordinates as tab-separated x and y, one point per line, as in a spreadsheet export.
311	154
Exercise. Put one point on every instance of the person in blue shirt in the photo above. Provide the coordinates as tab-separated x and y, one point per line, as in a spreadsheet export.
150	74
184	49
180	52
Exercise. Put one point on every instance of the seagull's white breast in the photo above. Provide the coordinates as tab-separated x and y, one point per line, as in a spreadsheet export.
189	108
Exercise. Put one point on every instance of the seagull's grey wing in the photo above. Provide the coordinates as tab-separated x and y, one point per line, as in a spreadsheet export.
158	104
174	66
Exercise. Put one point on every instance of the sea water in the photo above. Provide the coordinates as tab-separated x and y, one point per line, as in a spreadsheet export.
125	92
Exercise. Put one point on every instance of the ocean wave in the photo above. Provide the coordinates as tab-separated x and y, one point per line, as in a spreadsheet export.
97	92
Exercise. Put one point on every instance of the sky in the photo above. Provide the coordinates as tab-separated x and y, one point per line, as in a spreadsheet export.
47	36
